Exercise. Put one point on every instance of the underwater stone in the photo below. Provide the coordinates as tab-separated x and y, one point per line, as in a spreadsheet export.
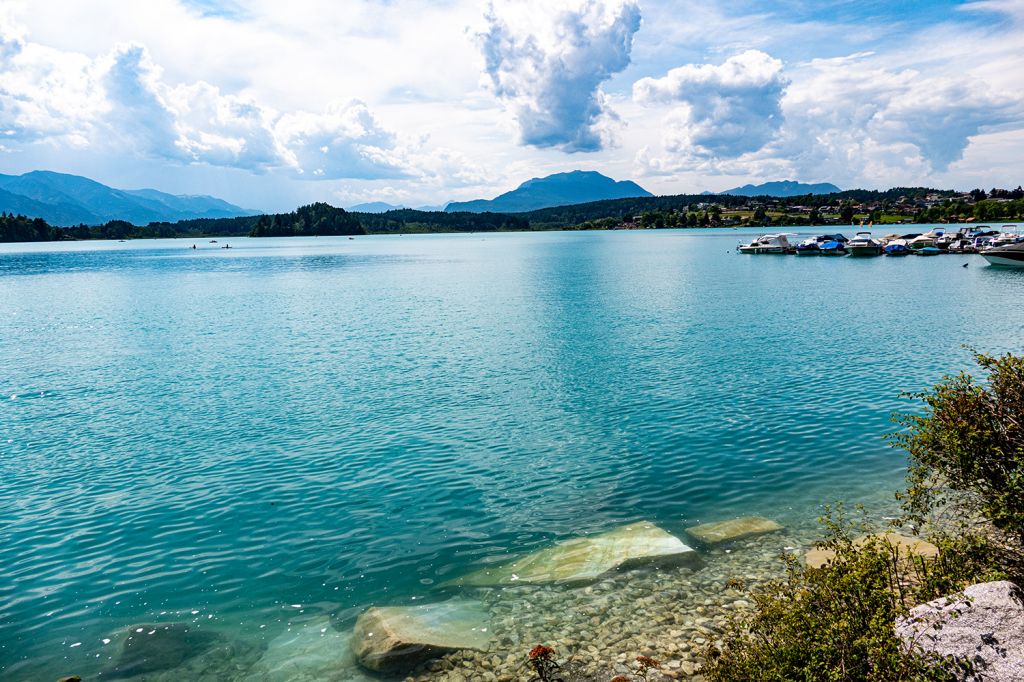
313	651
161	646
733	529
398	638
587	559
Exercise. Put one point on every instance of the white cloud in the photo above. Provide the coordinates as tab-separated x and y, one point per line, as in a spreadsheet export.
856	120
119	102
719	110
546	61
851	120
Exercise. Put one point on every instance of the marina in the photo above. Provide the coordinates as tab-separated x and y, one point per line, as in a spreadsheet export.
999	247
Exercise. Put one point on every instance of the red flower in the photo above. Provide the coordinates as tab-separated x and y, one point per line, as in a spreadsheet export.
541	651
647	662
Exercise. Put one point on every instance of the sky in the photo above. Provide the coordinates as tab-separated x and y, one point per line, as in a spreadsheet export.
413	102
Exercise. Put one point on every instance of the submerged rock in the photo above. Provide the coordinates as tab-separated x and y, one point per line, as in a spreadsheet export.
313	651
733	529
586	559
905	547
398	638
984	627
162	646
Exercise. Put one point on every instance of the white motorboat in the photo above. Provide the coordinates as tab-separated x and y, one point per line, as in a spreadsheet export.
769	244
864	245
1010	256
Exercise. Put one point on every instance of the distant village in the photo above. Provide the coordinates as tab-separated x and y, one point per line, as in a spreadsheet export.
897	206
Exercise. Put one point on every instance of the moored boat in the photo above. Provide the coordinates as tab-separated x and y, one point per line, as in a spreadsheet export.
812	245
769	244
897	247
1011	255
864	245
928	251
833	248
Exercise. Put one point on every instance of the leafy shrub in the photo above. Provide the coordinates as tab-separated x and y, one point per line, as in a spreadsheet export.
968	446
966	465
836	622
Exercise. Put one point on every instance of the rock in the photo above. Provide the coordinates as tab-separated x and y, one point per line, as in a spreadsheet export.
984	625
587	559
313	651
394	638
905	546
157	647
734	529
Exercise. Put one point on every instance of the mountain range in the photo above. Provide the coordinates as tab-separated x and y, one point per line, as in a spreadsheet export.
783	188
62	199
560	189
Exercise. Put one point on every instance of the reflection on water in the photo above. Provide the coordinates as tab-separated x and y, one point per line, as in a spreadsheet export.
220	435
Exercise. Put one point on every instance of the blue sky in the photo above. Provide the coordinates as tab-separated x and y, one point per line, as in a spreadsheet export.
418	102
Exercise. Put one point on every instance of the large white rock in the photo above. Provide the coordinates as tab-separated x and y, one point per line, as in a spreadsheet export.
586	559
398	638
312	651
984	625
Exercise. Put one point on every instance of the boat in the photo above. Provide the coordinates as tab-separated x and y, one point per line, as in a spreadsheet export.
213	241
982	242
928	251
963	245
812	245
897	247
1010	256
927	239
1005	239
769	244
832	248
809	247
864	245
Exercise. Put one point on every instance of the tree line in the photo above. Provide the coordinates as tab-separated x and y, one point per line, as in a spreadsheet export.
683	210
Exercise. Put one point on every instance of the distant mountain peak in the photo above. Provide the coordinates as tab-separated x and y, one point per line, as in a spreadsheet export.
781	188
558	189
64	199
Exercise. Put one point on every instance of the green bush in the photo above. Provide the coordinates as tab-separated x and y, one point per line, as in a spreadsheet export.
968	446
836	622
966	478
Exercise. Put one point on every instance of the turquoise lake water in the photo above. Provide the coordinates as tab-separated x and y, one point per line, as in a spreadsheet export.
334	423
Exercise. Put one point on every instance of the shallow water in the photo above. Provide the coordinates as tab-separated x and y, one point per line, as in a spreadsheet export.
314	425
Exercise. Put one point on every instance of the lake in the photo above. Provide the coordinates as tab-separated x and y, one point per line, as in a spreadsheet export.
313	425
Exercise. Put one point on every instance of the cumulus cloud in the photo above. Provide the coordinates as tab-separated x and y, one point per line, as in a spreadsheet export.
854	118
719	110
851	120
546	61
121	103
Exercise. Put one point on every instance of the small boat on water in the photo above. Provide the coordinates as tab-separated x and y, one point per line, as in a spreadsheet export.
962	245
928	251
812	245
864	245
897	247
927	239
833	248
1005	239
1010	256
769	244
